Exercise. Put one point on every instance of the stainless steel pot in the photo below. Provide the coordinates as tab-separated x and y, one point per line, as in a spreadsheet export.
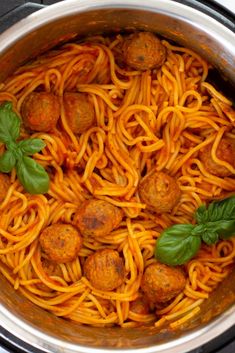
58	23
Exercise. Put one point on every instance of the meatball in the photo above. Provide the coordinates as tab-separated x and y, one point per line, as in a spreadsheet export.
40	111
160	192
79	112
104	269
161	283
60	242
225	151
51	268
140	306
97	218
4	185
143	51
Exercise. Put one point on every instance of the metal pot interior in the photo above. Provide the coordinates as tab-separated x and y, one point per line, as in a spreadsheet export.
57	24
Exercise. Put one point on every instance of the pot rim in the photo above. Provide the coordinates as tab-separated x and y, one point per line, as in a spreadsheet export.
186	343
70	7
21	328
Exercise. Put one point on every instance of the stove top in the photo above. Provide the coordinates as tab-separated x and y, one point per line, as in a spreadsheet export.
224	343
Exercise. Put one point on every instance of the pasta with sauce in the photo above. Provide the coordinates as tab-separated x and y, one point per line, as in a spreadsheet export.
136	140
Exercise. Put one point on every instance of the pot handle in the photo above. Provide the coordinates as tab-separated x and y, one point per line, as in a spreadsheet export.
9	18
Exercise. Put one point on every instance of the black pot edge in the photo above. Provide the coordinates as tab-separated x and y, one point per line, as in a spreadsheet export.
215	10
18	13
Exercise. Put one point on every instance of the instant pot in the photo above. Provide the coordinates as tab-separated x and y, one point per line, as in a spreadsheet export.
204	26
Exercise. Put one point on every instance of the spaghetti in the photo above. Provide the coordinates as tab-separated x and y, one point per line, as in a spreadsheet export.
157	119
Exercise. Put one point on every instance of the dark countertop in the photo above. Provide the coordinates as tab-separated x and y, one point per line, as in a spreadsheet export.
7	5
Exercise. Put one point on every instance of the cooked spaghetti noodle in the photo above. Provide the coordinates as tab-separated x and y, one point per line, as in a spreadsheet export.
157	119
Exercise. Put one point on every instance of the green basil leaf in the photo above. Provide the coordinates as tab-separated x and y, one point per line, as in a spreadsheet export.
180	243
32	176
222	210
15	150
201	214
9	123
216	211
31	146
210	237
219	218
7	162
198	229
225	229
176	245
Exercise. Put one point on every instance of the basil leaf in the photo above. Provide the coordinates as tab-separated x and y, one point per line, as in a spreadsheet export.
201	214
198	229
32	176
31	146
177	245
218	218
210	237
225	229
180	243
9	123
7	162
222	210
216	211
15	150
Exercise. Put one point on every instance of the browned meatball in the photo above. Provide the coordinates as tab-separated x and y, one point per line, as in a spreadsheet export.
160	192
51	268
4	185
97	217
79	112
161	283
60	242
40	111
104	269
140	306
144	51
225	152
